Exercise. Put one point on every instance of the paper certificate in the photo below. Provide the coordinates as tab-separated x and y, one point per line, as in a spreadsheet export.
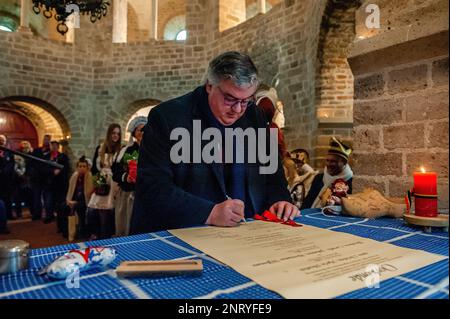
305	262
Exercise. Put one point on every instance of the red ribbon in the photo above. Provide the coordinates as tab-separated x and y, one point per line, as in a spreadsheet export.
84	254
267	216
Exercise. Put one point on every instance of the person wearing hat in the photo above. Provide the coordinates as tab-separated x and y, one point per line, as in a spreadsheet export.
336	167
124	174
299	174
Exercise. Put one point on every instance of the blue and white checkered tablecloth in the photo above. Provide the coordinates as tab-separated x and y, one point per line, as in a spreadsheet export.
221	281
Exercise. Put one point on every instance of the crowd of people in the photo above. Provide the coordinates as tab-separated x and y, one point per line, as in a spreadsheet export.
95	202
104	197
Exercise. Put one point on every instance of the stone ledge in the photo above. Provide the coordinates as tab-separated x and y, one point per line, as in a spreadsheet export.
411	51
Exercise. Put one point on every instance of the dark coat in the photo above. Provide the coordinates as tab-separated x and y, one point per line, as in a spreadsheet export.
37	171
314	191
182	195
7	174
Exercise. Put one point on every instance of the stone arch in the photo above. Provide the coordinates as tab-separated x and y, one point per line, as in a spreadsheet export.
40	107
135	108
334	78
46	99
174	26
129	105
42	114
167	10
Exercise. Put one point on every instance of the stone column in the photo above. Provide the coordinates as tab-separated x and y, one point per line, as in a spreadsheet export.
154	28
262	6
70	22
120	21
25	8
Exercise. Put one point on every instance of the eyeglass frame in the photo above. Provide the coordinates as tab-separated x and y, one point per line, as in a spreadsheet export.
244	102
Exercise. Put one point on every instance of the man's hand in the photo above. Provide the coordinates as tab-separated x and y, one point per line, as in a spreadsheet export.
227	214
56	171
285	210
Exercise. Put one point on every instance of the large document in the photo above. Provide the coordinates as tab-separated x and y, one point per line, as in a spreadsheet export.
305	262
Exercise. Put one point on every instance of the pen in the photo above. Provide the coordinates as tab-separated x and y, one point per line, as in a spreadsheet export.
243	219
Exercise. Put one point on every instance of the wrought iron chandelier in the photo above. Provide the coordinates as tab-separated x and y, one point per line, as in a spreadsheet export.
61	9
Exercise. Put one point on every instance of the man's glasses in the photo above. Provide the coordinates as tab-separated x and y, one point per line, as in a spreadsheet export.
232	102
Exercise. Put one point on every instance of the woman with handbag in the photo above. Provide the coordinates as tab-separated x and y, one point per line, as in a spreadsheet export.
101	220
124	173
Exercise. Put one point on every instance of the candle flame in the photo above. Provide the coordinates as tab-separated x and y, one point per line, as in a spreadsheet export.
422	169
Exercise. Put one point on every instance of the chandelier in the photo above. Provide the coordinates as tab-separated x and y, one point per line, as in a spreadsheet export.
61	9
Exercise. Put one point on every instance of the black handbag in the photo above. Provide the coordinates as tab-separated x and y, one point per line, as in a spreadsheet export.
103	190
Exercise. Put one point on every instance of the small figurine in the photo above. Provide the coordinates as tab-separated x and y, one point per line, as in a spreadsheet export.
338	190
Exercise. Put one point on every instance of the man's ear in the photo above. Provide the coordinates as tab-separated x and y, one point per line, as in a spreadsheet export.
208	87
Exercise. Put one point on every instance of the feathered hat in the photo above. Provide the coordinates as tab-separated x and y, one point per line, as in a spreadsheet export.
339	149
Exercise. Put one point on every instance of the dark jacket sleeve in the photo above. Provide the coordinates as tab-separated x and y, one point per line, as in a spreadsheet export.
120	174
94	169
159	202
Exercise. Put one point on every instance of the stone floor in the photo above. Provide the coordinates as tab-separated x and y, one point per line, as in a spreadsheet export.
36	233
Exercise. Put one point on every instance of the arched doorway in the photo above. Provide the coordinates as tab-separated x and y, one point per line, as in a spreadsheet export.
42	116
17	128
137	108
141	112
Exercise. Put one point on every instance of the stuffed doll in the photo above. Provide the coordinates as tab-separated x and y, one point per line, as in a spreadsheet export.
333	203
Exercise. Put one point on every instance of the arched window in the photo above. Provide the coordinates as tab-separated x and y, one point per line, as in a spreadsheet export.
7	24
181	36
175	29
5	28
252	9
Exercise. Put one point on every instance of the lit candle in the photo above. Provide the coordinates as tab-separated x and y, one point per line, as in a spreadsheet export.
425	193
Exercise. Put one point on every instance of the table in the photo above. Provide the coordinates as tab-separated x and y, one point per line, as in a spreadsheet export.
220	281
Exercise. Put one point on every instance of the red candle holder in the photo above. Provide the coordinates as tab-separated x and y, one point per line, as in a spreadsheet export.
425	194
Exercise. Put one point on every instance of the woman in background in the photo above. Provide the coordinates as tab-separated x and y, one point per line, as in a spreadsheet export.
101	205
22	185
124	173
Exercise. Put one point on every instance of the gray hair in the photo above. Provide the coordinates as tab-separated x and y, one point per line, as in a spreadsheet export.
233	66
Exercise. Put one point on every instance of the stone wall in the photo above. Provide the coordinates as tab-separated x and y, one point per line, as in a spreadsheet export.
94	82
232	13
401	115
334	82
91	83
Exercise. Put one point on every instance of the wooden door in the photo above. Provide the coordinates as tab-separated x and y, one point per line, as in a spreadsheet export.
17	128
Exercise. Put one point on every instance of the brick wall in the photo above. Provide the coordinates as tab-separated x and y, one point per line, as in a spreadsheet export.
401	115
166	11
334	83
94	82
232	13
